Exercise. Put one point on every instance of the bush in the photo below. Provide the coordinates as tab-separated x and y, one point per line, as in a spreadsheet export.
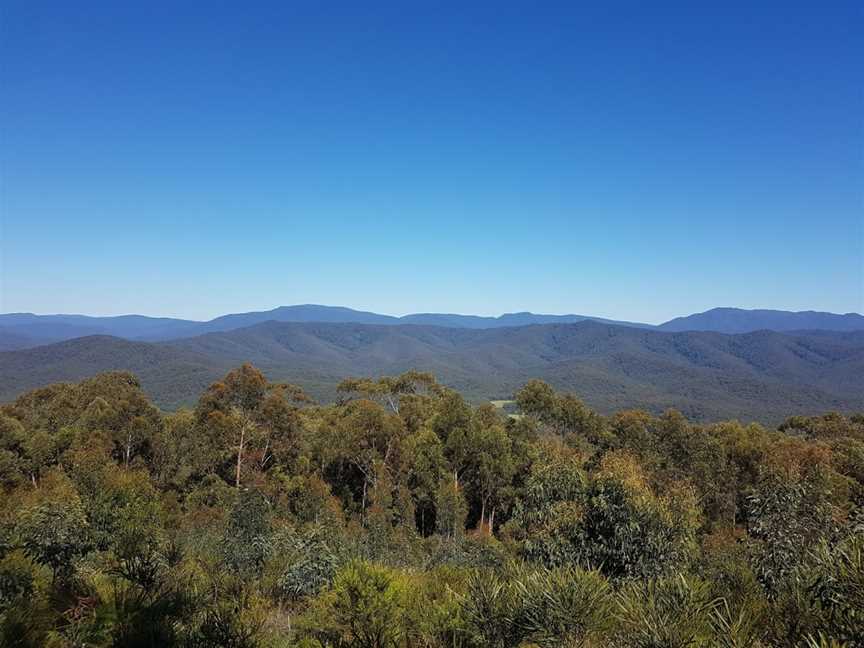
673	612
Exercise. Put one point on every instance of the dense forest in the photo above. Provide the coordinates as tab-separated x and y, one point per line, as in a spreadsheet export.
402	516
764	376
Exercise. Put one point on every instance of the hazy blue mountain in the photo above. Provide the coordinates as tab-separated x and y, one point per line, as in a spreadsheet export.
756	376
12	339
299	313
23	330
449	320
44	332
54	328
508	319
338	314
737	320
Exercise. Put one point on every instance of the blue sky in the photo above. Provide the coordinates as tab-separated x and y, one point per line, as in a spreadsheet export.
630	160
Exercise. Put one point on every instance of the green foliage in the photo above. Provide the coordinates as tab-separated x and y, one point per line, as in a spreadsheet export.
235	619
787	514
428	468
743	627
16	581
367	606
519	604
835	584
567	606
672	612
309	562
404	517
489	608
611	520
564	414
451	508
246	542
53	533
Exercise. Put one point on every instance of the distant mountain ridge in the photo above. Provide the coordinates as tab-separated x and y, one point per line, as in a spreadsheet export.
738	320
26	330
761	376
507	320
55	328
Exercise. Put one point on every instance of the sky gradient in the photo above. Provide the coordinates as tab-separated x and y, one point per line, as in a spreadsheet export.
625	161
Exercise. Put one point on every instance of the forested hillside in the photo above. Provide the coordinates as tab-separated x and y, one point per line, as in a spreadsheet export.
738	320
26	330
762	376
401	516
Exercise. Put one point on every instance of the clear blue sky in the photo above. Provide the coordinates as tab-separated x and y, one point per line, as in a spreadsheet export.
631	160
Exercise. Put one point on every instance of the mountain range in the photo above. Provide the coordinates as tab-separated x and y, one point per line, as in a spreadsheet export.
762	375
26	330
737	320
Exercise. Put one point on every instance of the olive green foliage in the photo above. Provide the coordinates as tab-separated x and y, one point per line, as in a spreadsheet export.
53	533
672	612
404	517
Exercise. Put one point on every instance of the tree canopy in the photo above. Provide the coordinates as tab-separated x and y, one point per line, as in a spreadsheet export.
403	516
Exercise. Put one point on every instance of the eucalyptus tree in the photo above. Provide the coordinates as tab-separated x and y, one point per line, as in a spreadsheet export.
244	409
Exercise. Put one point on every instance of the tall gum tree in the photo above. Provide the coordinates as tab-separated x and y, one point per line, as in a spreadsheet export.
244	406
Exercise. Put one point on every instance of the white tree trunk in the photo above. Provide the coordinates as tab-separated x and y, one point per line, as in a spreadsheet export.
240	453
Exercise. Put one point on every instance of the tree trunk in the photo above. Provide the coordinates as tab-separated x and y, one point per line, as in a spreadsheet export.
265	458
492	522
482	515
393	404
240	453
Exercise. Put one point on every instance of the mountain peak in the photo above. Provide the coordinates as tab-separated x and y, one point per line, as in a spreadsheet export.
738	320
